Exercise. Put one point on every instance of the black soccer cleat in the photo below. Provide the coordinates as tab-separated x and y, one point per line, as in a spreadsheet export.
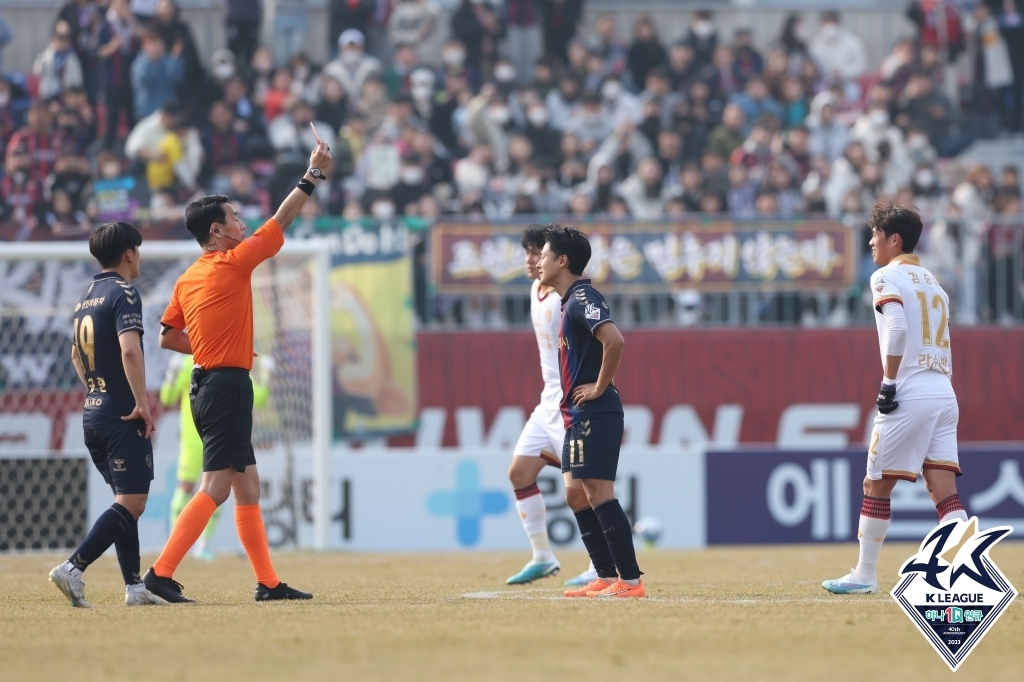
282	591
165	588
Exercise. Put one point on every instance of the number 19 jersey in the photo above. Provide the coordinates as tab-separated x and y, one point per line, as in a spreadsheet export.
927	367
109	307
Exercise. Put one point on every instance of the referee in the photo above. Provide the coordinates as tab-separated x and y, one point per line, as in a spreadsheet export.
210	317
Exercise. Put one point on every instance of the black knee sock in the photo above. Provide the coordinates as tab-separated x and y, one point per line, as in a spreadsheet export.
101	536
595	542
127	546
619	537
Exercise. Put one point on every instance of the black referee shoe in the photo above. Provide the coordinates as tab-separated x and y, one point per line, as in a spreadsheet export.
282	591
166	588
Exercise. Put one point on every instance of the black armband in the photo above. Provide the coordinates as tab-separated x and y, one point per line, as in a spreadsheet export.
306	186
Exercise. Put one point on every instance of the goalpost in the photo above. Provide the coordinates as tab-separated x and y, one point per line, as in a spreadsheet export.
41	282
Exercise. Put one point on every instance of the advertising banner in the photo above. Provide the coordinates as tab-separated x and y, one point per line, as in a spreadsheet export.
424	500
628	258
771	496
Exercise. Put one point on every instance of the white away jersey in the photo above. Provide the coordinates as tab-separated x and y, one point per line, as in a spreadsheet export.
546	313
927	367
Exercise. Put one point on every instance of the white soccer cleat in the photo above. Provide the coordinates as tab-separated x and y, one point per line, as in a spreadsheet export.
851	584
583	578
72	587
142	598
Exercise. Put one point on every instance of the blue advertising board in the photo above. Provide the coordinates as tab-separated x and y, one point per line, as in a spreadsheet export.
775	496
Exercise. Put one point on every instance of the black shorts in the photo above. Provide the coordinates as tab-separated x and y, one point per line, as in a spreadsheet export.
123	455
591	446
222	412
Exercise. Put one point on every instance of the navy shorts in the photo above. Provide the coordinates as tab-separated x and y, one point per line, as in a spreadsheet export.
222	412
123	455
591	446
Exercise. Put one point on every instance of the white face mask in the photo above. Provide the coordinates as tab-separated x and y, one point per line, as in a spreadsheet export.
704	29
829	31
412	175
499	115
351	57
505	73
917	142
301	73
422	92
610	90
924	178
879	118
453	57
538	116
224	71
5	97
383	210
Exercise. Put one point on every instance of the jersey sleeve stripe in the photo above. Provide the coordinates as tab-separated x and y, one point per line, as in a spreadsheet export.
890	298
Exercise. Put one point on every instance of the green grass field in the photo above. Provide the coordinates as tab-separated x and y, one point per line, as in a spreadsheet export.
717	614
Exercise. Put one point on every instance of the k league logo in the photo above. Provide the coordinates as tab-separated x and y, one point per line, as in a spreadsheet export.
952	590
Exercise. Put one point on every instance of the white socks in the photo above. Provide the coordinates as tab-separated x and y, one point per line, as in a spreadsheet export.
871	534
534	516
958	514
72	569
137	587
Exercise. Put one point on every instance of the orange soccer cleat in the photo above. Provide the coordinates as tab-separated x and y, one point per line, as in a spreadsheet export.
591	588
620	588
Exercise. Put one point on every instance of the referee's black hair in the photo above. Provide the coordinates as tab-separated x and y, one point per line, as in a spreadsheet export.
109	241
202	213
568	241
533	235
901	220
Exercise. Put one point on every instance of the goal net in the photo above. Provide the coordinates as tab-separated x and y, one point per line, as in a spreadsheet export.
44	467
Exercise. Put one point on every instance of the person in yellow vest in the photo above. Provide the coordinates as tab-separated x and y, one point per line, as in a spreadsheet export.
190	457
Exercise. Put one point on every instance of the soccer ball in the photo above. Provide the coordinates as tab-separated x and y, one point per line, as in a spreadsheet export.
649	530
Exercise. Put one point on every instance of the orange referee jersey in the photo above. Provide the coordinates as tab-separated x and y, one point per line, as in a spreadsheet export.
213	300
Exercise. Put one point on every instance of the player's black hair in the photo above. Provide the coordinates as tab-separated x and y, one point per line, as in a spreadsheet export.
109	241
202	213
568	241
535	236
901	220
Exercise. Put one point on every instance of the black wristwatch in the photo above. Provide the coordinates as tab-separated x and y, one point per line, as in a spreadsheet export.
315	172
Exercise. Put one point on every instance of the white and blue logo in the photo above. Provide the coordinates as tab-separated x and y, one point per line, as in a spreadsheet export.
468	503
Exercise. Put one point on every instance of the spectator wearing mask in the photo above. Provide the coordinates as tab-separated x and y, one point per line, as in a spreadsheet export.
646	52
58	66
118	48
702	36
644	191
489	122
39	140
349	14
242	26
477	25
620	103
840	53
156	74
353	66
828	136
411	185
545	139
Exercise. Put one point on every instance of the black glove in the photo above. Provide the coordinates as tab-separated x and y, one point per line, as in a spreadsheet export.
887	399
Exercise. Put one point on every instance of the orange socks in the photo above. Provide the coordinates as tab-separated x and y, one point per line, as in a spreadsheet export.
186	531
249	523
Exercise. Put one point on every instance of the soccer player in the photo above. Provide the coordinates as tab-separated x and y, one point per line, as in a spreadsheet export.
106	350
544	433
190	454
589	352
210	318
917	433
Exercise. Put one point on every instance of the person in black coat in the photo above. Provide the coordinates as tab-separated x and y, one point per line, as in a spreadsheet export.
645	53
560	18
477	24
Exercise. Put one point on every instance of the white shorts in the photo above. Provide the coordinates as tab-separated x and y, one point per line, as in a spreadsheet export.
920	434
543	435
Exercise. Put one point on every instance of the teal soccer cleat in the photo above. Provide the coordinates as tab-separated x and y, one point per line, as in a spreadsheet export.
534	570
583	578
851	584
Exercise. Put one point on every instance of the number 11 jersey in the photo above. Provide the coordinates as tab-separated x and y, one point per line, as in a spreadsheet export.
108	308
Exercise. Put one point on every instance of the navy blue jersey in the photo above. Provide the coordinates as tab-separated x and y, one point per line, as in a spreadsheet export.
580	353
109	308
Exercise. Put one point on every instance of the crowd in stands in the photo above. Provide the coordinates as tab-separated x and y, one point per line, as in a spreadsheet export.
522	114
